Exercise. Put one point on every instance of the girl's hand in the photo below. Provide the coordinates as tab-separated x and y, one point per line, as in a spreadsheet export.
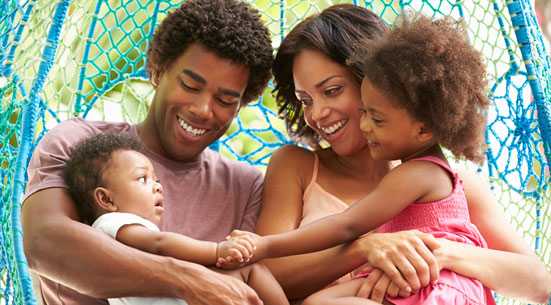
256	243
405	257
232	254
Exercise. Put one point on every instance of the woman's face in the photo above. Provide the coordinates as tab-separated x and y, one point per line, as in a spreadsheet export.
331	99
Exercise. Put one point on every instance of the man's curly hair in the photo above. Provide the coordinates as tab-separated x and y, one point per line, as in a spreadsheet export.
232	29
432	70
333	32
89	159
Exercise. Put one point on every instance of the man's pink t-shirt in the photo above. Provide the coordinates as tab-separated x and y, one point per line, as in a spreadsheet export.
205	199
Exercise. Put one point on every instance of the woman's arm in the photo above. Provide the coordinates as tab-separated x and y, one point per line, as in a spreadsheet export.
510	268
62	249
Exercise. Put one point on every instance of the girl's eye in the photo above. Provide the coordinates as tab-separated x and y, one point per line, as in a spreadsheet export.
377	121
142	179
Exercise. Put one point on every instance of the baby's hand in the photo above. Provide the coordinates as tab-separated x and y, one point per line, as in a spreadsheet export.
232	254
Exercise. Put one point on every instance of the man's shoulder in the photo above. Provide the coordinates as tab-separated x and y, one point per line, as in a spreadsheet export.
74	130
92	127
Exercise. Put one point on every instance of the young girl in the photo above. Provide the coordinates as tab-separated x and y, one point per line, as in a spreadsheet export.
118	193
423	89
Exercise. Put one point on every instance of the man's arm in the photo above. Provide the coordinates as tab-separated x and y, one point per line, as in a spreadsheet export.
76	255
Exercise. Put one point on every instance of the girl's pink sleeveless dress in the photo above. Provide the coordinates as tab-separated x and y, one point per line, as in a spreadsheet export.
446	218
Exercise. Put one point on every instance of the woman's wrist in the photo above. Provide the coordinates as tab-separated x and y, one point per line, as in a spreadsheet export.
446	255
357	251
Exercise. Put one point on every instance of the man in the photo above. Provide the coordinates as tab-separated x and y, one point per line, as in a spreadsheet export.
207	60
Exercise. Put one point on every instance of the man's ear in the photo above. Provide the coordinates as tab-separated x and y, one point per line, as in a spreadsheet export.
102	197
424	134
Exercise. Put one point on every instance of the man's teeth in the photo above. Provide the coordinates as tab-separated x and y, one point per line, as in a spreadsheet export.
188	128
333	128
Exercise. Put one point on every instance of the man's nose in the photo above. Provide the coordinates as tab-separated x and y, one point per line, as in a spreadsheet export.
202	107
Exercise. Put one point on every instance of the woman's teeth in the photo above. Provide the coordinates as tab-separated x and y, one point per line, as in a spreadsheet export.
333	128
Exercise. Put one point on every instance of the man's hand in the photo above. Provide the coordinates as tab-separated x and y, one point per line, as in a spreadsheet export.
210	288
405	257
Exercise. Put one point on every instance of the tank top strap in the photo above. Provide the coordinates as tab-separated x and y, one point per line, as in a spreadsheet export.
314	173
440	163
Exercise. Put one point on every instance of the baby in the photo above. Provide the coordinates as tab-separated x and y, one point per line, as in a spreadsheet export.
116	191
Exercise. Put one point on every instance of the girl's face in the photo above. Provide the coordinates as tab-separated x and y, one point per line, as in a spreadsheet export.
330	97
390	130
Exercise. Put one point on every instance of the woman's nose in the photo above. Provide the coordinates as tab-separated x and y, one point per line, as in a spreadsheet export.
319	111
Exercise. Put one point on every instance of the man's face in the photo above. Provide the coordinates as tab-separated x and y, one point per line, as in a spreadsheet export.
196	99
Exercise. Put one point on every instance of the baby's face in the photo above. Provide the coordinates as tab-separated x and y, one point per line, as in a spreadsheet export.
133	185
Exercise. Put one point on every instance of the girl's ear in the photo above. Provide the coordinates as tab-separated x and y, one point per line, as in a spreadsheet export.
102	198
424	134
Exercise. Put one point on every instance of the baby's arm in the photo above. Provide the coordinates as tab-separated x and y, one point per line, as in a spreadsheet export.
179	246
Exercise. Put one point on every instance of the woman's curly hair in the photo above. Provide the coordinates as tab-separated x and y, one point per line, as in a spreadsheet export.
332	32
432	70
89	159
230	28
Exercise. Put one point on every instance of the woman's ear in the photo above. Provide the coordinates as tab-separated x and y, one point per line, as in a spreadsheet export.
103	200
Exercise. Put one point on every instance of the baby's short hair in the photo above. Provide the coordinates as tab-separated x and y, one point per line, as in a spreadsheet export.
89	159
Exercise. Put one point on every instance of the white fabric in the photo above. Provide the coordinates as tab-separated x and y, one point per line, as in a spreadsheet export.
110	224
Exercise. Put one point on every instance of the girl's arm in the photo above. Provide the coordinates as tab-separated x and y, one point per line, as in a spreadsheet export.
509	267
168	244
402	186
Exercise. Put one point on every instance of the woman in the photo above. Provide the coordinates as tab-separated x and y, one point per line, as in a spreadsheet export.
319	95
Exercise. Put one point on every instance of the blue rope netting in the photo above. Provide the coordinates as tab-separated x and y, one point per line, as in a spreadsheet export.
63	59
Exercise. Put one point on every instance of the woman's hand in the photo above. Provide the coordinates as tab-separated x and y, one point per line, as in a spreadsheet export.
405	257
377	285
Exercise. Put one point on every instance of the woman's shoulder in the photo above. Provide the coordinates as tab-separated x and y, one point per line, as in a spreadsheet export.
294	160
292	153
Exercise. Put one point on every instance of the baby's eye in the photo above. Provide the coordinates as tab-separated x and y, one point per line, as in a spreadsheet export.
142	179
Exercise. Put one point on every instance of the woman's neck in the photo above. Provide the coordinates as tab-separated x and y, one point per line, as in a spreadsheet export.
361	164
